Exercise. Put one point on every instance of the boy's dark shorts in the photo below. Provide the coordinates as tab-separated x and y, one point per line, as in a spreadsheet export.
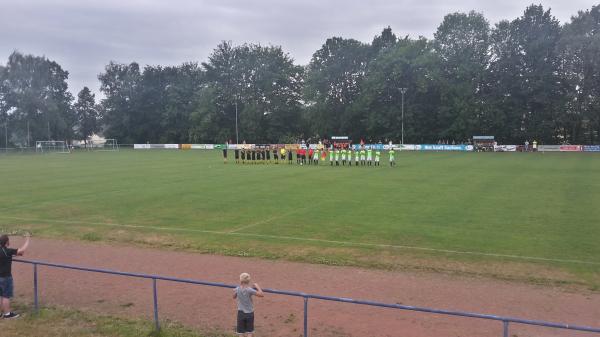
245	322
6	287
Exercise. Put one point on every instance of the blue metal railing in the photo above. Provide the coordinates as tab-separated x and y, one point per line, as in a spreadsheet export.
505	320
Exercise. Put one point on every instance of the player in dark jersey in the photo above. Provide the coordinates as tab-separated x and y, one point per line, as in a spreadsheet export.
268	153
243	156
237	155
275	155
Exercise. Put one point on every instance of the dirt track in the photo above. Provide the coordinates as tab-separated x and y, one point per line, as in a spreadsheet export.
207	307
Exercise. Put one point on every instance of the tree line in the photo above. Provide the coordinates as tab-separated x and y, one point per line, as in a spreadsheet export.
522	79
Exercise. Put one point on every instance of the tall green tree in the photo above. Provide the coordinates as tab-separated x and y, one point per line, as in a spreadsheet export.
462	44
387	39
123	118
409	64
214	115
181	92
579	50
34	92
523	79
88	114
261	83
333	83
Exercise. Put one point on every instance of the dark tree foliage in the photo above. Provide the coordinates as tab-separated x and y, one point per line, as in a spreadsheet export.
529	78
153	105
88	115
33	91
411	64
120	107
462	44
524	86
579	52
262	83
333	83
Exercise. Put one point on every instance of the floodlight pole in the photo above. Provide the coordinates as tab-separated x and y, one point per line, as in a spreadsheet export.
237	141
403	91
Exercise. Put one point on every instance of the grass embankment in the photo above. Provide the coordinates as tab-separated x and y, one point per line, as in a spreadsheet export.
519	216
61	322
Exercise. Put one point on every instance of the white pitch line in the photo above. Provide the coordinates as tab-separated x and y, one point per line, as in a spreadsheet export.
254	224
235	230
280	237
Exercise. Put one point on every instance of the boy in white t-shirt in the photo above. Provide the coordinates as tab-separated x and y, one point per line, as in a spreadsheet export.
245	314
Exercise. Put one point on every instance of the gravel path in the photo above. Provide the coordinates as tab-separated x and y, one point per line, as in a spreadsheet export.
213	308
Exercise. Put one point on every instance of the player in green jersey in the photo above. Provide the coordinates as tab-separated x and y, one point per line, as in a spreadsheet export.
349	153
392	157
331	156
370	156
363	156
377	157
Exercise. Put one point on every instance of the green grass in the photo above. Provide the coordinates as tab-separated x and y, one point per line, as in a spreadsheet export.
532	205
62	322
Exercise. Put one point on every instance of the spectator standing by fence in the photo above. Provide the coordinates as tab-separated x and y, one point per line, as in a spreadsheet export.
6	280
245	314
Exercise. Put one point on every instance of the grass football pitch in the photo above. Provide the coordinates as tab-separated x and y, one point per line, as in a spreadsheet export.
525	216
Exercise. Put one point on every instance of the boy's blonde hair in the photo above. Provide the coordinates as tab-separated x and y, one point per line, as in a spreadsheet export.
244	278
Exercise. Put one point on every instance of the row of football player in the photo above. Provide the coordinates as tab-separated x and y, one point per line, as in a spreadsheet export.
337	157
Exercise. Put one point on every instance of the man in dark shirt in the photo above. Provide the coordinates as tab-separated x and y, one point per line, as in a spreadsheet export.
6	280
225	152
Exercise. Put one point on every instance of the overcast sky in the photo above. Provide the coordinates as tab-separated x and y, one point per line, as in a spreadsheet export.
84	35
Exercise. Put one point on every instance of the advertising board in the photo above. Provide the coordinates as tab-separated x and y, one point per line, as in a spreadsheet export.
443	147
505	148
549	148
570	148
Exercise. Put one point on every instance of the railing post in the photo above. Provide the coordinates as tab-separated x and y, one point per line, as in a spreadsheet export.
156	323
305	316
505	324
35	288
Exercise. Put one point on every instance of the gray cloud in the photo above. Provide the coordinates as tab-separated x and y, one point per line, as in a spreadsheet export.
83	36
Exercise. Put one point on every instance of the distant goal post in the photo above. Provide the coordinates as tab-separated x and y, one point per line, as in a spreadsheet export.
105	145
51	146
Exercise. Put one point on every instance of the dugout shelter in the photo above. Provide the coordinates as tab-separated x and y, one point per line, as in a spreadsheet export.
341	142
483	143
